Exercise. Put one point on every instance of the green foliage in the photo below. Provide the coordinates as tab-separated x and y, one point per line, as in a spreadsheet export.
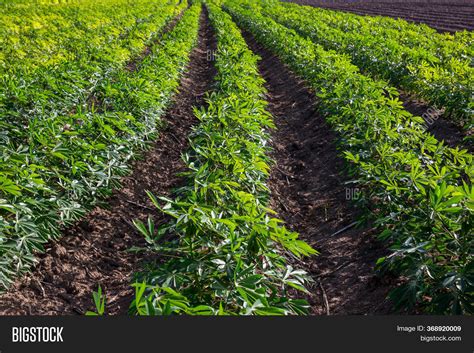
418	190
99	302
229	256
72	114
438	71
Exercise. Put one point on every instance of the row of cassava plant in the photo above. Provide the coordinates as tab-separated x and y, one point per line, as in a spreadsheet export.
54	65
69	161
228	253
418	191
443	81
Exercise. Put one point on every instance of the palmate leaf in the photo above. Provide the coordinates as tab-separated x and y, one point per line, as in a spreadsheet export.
9	187
4	205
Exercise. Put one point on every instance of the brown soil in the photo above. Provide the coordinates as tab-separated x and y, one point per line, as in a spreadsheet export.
95	251
309	193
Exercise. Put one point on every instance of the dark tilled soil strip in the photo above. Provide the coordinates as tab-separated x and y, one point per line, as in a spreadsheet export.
439	126
94	251
309	193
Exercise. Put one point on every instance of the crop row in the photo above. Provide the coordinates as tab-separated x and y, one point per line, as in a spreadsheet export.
228	253
93	48
438	76
442	45
419	191
441	18
55	166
